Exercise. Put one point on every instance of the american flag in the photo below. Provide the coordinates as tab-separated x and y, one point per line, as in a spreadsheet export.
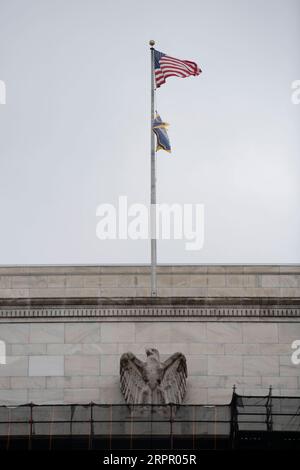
166	66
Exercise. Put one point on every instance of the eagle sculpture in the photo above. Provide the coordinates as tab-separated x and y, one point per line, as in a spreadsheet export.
153	381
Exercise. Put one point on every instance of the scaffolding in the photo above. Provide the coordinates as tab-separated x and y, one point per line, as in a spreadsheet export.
248	421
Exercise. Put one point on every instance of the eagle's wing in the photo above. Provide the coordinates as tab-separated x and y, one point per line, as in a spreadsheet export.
173	382
131	378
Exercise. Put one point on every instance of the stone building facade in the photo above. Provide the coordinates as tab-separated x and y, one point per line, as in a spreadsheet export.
65	327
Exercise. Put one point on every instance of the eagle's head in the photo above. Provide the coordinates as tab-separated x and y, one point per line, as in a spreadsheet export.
153	353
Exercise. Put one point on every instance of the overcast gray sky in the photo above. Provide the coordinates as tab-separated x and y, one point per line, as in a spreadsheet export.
74	132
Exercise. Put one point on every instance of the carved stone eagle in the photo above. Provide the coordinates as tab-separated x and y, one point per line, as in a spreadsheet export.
153	382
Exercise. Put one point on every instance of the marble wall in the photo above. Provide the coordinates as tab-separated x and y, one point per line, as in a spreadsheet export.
67	362
35	282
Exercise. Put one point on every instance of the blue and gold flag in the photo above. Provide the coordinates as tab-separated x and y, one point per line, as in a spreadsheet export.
160	130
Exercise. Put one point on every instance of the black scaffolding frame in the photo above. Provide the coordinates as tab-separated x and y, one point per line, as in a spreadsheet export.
248	421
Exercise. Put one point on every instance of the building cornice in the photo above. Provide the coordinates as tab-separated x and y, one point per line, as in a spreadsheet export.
149	309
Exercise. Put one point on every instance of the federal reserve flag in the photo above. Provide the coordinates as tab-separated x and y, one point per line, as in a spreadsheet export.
160	130
166	66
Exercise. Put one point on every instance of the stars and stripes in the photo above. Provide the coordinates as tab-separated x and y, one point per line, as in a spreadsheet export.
166	66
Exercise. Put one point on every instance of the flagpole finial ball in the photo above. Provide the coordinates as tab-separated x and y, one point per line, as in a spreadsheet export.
151	42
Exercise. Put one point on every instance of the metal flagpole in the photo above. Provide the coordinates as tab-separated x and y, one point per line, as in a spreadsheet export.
153	183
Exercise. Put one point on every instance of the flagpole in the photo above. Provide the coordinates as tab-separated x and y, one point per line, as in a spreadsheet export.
153	183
